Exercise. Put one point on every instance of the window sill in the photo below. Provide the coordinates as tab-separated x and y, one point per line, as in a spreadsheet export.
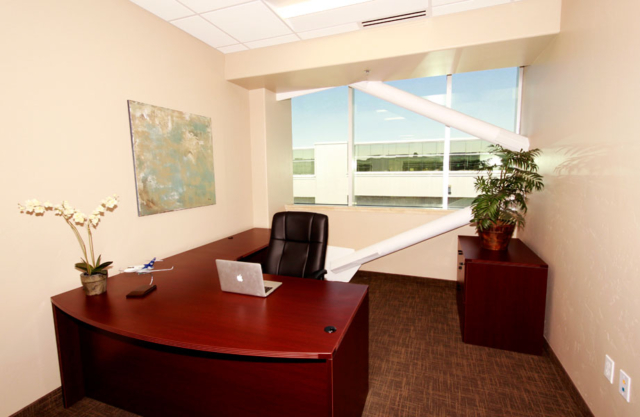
368	209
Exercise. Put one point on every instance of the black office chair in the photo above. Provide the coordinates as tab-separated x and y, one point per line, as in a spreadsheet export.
298	245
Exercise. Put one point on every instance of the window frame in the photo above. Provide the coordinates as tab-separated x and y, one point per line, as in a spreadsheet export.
446	169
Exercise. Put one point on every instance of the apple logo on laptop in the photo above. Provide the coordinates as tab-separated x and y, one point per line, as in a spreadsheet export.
239	278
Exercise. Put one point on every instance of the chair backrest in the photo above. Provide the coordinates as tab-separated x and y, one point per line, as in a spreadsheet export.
298	245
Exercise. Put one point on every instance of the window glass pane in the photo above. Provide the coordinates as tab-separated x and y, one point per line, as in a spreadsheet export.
491	96
399	154
486	95
320	128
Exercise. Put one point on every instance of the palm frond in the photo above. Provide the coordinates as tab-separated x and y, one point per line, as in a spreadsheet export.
502	190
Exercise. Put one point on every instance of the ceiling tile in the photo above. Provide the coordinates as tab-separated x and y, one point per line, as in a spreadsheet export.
436	3
248	22
202	6
164	9
232	48
356	13
311	6
273	41
464	6
334	30
284	3
205	31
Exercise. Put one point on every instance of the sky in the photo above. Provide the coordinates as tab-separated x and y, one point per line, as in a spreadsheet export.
323	116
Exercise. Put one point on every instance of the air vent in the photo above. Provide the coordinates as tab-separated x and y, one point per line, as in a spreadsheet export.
391	19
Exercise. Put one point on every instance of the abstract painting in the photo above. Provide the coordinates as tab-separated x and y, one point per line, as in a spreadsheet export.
173	159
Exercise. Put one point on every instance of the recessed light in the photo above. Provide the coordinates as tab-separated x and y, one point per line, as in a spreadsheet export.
314	6
382	111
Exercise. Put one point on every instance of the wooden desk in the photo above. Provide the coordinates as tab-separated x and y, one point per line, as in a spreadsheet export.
188	349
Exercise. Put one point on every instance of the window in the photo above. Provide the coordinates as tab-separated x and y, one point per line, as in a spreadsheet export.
399	154
491	96
320	127
398	158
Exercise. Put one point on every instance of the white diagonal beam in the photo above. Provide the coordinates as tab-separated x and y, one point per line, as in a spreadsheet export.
403	240
347	265
445	115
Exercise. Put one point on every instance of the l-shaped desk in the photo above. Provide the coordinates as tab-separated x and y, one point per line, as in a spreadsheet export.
190	349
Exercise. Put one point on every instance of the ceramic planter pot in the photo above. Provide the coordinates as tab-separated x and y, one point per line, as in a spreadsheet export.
94	284
497	237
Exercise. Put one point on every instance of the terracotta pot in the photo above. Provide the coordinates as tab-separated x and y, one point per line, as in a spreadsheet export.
94	284
497	237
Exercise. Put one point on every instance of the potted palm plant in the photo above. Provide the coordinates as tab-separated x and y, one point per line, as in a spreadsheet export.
503	186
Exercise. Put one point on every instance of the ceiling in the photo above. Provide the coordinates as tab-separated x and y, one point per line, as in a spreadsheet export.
239	25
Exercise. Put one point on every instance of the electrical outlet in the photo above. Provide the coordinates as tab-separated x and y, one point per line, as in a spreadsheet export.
625	385
609	367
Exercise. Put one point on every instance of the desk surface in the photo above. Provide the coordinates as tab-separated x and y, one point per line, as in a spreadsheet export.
189	310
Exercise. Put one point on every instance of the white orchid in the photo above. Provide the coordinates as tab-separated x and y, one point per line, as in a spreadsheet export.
79	217
111	203
30	205
71	216
94	219
68	212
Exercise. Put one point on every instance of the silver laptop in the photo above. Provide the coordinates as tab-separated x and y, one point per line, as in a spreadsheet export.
244	278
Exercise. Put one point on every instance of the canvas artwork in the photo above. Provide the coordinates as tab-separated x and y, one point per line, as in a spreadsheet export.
173	159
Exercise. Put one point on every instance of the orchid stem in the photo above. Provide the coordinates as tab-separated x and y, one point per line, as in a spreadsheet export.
80	241
93	259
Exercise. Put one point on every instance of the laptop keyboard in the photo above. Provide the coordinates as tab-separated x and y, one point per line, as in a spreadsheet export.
267	289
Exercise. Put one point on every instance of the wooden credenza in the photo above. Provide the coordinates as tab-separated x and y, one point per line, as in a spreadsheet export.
501	296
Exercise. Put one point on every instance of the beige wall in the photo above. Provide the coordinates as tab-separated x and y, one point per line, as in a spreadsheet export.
581	109
66	72
258	122
279	153
359	227
271	155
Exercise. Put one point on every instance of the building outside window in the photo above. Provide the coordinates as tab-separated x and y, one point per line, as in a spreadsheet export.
320	131
398	157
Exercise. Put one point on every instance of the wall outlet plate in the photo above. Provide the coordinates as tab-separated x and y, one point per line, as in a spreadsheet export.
609	368
625	385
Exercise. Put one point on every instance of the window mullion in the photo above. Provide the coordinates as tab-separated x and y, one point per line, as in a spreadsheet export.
351	163
519	99
447	151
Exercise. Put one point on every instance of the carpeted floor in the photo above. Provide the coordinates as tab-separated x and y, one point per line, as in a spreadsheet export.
418	365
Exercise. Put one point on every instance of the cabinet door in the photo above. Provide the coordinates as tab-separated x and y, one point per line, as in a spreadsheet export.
504	306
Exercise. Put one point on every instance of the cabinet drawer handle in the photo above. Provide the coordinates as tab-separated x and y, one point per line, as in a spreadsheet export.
461	263
459	252
459	267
